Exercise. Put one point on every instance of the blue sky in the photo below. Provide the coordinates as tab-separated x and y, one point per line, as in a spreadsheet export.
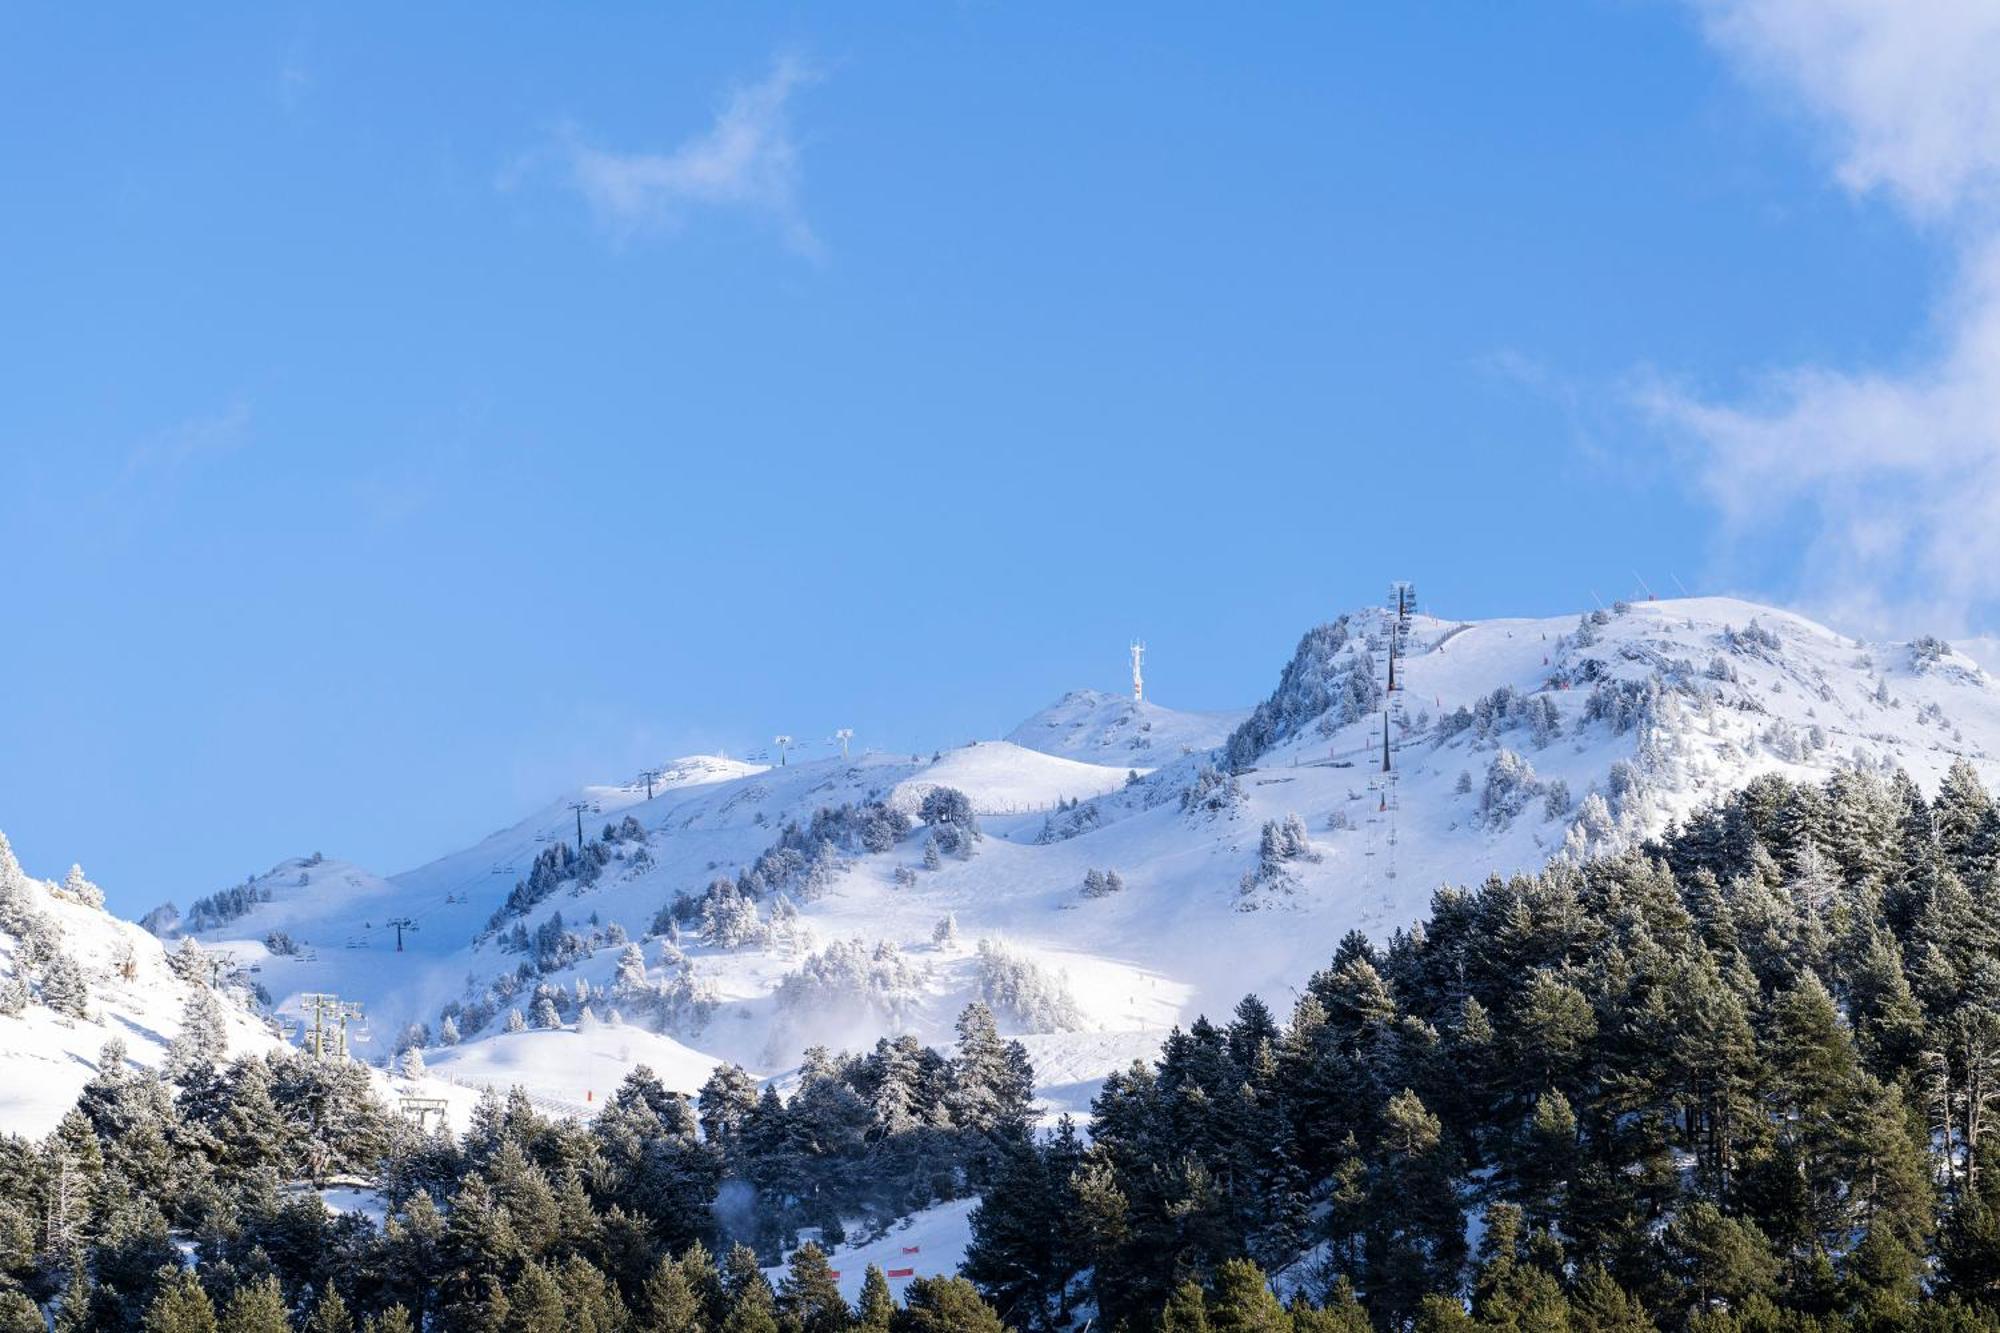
410	412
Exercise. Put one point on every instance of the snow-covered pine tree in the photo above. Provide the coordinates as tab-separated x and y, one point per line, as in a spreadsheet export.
202	1043
63	986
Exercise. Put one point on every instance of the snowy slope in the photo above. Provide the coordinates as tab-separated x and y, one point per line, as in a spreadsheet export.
1512	742
928	1243
1104	728
134	998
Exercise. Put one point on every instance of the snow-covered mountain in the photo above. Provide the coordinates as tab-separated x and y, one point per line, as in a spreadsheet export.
1133	865
1102	728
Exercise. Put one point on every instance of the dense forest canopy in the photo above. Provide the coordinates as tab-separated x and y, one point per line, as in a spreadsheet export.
1737	1079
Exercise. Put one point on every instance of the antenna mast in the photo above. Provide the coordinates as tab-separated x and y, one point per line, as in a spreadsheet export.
1138	675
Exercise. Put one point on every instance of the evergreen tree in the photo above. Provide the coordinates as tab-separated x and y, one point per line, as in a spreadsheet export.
330	1315
945	1305
179	1305
809	1299
257	1306
877	1307
63	987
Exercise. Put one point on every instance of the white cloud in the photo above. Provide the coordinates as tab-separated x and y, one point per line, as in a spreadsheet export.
747	161
1897	472
191	441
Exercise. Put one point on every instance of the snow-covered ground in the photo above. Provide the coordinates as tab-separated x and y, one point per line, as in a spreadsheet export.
1593	740
930	1243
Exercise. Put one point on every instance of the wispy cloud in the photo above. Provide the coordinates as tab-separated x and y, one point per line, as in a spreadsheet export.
747	161
1896	472
191	441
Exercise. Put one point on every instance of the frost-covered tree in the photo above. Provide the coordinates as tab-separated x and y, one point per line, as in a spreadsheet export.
515	1023
1510	785
413	1063
78	889
63	986
945	933
630	978
201	1043
1015	985
1555	799
948	812
448	1031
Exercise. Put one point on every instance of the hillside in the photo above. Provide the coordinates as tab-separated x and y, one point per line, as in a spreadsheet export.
744	912
55	1022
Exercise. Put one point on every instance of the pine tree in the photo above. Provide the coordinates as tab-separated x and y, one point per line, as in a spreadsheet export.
256	1307
201	1043
19	1314
945	1305
179	1305
330	1315
1186	1310
667	1304
535	1302
1242	1301
809	1299
876	1308
63	987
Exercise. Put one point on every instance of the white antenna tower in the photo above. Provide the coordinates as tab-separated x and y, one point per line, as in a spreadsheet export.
782	742
844	735
1138	676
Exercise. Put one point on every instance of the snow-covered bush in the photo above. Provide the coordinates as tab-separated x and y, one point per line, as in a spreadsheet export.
1555	799
80	890
1927	651
1101	883
729	919
1750	639
1510	784
948	812
850	979
1212	792
1020	988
